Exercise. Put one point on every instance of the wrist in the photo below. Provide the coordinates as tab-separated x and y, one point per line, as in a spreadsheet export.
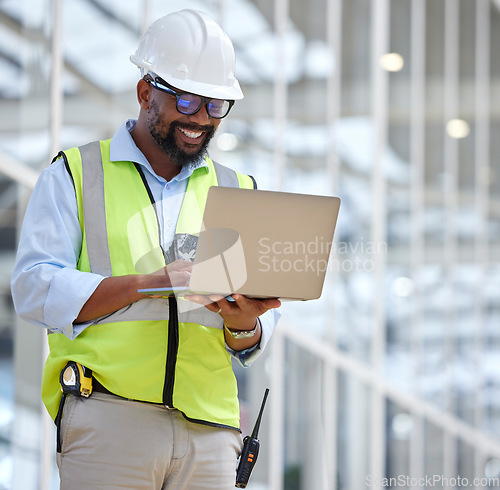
241	333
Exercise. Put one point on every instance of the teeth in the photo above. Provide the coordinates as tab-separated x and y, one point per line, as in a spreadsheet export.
191	134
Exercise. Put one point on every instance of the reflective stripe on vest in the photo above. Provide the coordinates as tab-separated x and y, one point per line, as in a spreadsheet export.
93	209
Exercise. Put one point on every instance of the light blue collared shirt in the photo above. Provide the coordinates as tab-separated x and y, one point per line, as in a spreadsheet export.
47	288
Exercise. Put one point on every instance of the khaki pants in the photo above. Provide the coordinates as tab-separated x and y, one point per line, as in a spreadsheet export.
110	443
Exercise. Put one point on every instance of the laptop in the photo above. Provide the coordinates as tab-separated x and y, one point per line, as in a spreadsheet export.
261	244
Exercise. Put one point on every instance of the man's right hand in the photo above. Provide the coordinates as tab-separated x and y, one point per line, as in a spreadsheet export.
175	274
116	292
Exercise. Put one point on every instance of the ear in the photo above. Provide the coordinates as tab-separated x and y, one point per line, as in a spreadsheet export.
143	94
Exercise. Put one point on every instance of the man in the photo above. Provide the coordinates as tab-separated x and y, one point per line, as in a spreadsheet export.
116	216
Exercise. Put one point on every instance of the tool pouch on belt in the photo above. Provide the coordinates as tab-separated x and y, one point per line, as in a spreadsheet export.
75	379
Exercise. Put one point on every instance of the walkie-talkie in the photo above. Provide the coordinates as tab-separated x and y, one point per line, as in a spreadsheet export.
250	451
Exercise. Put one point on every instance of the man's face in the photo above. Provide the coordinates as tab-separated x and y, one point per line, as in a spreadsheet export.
183	138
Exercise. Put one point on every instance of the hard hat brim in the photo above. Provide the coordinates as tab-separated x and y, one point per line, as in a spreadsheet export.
225	92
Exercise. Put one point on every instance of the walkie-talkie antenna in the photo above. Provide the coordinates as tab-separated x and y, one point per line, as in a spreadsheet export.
255	432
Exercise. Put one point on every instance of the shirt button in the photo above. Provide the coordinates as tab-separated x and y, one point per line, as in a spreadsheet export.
169	223
167	186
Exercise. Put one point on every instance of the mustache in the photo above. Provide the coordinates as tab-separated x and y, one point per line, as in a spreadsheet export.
207	128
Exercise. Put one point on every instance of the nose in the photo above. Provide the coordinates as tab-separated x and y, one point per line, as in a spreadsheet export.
201	117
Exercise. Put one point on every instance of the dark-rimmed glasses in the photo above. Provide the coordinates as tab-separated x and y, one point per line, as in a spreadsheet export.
189	104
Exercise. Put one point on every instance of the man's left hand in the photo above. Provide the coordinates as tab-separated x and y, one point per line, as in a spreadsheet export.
240	314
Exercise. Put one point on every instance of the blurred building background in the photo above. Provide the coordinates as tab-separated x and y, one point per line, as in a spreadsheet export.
393	105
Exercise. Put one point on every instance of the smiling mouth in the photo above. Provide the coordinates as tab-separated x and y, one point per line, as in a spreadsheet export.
191	134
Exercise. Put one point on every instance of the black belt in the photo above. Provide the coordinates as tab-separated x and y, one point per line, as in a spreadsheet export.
96	386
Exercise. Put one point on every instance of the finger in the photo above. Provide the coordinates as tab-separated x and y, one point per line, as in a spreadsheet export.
185	264
262	305
198	298
223	306
179	278
204	301
214	308
216	297
271	303
244	303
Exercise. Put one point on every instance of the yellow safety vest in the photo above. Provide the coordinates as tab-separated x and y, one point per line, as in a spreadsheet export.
156	350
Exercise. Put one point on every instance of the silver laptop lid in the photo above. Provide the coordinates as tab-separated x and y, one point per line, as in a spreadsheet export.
264	243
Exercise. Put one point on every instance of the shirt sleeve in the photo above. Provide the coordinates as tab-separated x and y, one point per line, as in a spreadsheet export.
268	322
47	288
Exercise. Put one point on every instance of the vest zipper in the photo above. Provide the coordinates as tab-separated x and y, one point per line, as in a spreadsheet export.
172	349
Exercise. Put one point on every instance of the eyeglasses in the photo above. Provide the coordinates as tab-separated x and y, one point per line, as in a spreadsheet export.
189	104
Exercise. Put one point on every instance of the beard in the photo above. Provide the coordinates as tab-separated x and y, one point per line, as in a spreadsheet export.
164	137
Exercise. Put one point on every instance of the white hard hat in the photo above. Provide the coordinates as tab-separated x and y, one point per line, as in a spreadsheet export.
191	52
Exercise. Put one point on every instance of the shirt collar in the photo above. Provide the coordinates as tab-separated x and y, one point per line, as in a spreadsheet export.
123	148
